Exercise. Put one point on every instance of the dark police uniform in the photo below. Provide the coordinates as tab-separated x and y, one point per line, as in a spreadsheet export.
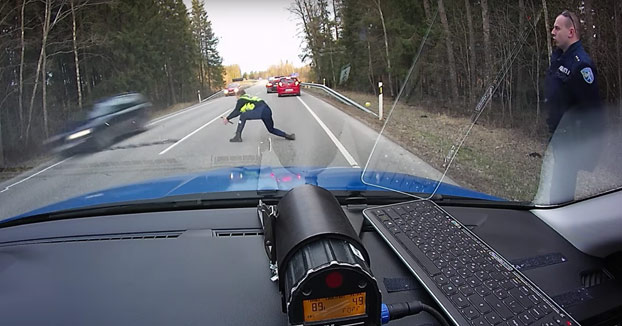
570	83
576	119
253	108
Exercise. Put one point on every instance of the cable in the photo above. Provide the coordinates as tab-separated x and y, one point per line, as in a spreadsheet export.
399	310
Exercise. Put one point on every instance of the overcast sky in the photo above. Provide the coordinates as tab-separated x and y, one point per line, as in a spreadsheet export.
254	33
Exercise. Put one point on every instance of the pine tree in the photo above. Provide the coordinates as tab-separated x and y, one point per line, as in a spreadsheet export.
209	61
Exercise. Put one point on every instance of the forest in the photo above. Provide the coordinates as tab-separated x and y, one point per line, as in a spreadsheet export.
471	50
59	56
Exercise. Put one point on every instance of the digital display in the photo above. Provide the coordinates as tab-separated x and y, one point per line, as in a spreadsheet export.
334	307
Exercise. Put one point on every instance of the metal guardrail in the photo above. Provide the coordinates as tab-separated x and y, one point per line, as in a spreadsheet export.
340	97
211	96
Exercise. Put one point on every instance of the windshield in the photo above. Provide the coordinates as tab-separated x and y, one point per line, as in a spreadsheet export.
487	100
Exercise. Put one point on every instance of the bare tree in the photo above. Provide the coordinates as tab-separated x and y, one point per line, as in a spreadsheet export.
472	70
486	30
588	34
301	9
21	71
336	21
548	30
386	45
46	27
75	54
453	79
426	8
617	12
520	76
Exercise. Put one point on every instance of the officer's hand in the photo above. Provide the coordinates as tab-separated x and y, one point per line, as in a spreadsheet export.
225	120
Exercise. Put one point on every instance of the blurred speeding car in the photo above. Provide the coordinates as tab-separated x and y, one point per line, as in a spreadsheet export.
231	89
271	85
288	86
109	119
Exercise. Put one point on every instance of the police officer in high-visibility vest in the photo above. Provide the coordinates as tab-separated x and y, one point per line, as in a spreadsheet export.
575	120
253	108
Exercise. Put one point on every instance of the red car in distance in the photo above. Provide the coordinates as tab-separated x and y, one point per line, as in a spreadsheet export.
288	86
231	89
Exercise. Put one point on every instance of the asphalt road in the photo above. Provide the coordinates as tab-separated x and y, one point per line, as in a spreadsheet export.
196	140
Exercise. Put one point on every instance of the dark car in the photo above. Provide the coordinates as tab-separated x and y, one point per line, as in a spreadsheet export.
231	89
272	84
109	119
288	86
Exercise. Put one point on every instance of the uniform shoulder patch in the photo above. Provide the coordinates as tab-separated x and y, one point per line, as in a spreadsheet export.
588	75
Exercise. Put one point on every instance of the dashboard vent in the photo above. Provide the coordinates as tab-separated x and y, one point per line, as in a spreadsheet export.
98	237
594	277
238	233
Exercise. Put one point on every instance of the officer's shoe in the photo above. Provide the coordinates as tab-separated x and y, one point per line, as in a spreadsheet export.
290	136
236	139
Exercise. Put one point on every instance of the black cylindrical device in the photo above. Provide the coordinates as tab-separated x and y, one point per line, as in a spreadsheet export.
323	268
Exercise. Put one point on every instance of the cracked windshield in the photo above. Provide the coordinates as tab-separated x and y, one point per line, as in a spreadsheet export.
104	102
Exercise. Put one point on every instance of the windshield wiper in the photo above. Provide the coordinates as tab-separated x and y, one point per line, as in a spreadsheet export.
251	199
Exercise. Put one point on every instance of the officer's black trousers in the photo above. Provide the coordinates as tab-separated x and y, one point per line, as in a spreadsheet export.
266	117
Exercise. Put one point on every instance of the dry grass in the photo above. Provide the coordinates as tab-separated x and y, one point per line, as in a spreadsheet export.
498	161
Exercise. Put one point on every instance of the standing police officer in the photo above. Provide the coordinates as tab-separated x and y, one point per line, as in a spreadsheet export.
575	116
571	78
253	108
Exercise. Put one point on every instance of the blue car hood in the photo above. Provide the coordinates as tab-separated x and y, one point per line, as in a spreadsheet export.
255	178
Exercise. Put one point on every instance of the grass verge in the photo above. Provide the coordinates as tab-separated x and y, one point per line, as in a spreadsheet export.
498	161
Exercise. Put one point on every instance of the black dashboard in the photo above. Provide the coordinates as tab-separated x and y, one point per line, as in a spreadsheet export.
208	266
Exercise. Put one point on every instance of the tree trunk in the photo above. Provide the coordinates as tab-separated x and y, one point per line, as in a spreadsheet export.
202	74
386	47
209	73
520	73
426	8
44	92
336	25
371	71
75	55
548	30
536	62
87	78
472	68
617	13
588	32
172	98
488	69
486	30
21	73
450	52
44	36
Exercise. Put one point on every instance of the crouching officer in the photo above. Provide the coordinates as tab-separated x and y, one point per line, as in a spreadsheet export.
576	119
253	108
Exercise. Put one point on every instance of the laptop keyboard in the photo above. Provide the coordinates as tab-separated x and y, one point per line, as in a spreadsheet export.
473	284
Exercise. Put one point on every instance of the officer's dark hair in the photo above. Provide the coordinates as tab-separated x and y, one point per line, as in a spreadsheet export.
240	92
573	21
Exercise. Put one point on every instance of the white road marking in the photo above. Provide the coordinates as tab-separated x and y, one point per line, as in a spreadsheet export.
194	132
332	137
34	175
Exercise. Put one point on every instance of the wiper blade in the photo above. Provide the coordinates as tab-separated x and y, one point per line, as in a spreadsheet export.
172	203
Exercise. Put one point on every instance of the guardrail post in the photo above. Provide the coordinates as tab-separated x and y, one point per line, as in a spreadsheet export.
199	94
380	101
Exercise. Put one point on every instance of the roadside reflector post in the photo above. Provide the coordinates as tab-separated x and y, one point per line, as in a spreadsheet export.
199	94
380	101
324	81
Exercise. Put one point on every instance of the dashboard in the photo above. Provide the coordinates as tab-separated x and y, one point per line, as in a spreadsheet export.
209	266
